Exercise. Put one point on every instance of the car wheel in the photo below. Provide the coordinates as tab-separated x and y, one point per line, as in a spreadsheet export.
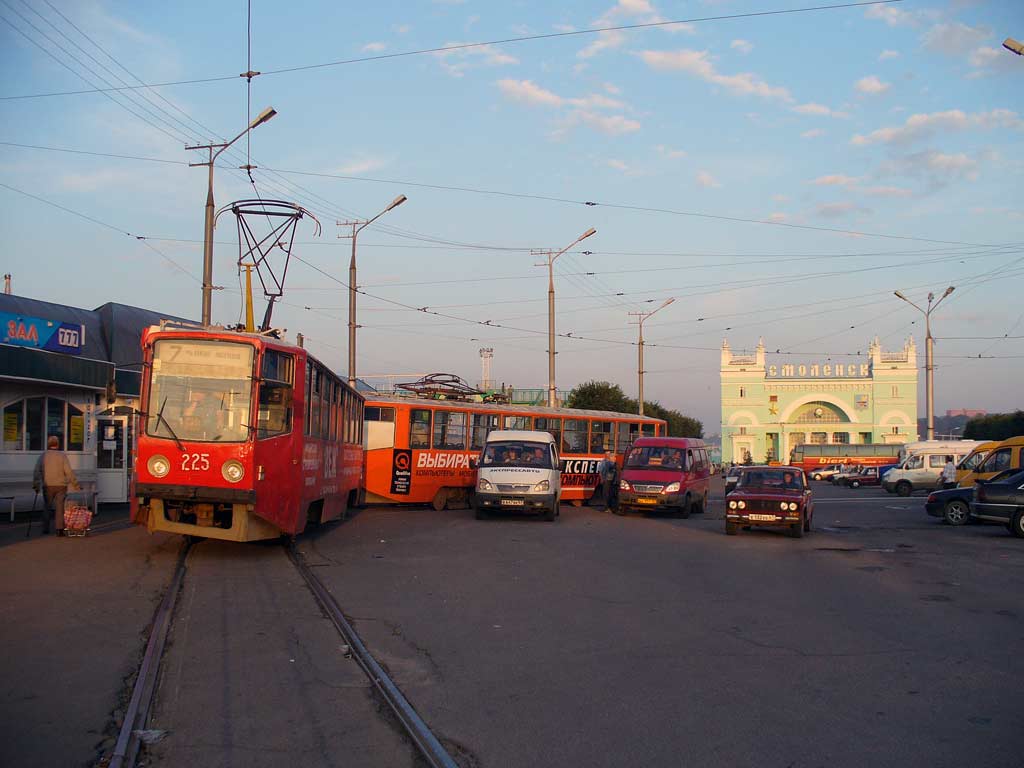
797	531
956	512
807	525
684	511
855	483
1017	524
731	529
816	477
903	488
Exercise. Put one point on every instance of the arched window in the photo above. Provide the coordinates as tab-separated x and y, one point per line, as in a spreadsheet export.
27	423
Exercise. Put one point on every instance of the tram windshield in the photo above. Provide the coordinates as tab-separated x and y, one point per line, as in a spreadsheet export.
518	453
201	391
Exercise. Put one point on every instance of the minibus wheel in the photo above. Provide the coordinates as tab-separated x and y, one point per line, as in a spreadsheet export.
903	488
684	511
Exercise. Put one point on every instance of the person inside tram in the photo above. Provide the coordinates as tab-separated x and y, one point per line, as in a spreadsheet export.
203	414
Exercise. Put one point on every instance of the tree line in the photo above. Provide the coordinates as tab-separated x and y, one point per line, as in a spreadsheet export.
605	396
995	426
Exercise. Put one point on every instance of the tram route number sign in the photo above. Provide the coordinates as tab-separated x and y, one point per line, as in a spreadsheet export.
401	471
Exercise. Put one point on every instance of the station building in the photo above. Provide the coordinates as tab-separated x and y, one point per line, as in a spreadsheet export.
75	374
769	407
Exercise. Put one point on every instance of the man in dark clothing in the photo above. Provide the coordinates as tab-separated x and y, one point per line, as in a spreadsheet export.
609	473
53	475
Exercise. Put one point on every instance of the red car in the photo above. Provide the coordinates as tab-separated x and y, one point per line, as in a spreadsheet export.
777	497
867	476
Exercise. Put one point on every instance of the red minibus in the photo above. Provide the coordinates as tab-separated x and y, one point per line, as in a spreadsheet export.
418	451
666	474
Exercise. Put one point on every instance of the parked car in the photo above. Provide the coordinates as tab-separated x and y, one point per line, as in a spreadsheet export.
867	476
731	477
849	470
952	505
825	473
1001	501
776	497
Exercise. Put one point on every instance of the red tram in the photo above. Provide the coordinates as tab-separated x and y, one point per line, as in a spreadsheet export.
242	436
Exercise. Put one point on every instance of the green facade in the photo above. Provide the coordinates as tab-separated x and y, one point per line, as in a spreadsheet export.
769	406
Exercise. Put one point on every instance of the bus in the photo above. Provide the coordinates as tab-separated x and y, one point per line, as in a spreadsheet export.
418	451
811	455
242	436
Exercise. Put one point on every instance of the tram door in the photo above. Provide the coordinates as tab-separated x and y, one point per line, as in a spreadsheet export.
112	459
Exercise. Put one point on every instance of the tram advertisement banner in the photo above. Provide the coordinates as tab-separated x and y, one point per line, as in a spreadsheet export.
580	473
37	332
401	471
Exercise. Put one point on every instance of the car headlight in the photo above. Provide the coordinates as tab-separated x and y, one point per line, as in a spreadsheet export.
784	505
624	486
741	504
671	488
483	485
732	505
158	465
232	470
543	485
793	506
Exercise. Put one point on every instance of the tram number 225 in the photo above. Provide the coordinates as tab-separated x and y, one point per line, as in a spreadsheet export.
195	462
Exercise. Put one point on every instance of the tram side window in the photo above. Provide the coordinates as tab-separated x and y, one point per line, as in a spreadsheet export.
376	413
602	436
551	426
482	424
449	430
309	397
517	422
649	430
574	436
419	428
274	415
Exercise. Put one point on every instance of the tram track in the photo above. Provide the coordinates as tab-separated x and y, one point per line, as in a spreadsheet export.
136	719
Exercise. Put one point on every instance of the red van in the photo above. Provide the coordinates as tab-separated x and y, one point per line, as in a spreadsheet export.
666	474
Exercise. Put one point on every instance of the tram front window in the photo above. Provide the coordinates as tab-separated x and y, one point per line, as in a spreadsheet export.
200	391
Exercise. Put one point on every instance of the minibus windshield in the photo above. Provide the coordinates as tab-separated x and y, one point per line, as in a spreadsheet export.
517	453
654	457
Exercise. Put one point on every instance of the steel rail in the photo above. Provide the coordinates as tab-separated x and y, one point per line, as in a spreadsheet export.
429	746
126	749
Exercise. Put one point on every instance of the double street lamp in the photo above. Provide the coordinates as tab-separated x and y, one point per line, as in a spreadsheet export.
551	257
259	120
929	365
357	227
641	316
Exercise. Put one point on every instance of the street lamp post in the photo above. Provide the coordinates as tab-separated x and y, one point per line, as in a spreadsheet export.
259	120
357	227
641	316
551	257
929	359
1013	46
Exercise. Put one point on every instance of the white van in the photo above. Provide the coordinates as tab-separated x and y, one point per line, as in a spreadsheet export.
518	470
923	465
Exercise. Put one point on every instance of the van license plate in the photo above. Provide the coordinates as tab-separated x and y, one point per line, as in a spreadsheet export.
646	501
762	517
512	502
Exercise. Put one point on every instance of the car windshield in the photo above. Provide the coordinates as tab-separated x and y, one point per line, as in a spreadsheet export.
200	391
655	457
770	478
517	453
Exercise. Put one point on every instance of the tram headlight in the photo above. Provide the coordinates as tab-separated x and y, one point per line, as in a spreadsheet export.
232	470
158	465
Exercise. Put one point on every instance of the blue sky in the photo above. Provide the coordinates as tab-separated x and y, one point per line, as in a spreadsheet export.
896	120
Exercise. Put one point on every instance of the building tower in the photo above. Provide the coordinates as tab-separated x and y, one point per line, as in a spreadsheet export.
486	355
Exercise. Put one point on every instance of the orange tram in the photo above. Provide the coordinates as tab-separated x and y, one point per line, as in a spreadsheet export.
242	436
418	451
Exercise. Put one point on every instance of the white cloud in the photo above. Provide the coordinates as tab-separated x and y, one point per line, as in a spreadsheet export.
697	63
888	54
887	192
838	210
835	180
531	93
780	198
607	40
613	89
618	165
812	134
612	125
743	46
374	47
954	38
923	125
871	85
891	15
819	110
563	27
706	180
671	154
938	169
465	58
988	60
777	217
403	29
360	165
636	11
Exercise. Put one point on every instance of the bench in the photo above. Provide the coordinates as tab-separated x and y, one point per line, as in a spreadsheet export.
13	485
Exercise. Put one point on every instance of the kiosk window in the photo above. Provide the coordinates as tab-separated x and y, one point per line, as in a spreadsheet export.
419	428
14	426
